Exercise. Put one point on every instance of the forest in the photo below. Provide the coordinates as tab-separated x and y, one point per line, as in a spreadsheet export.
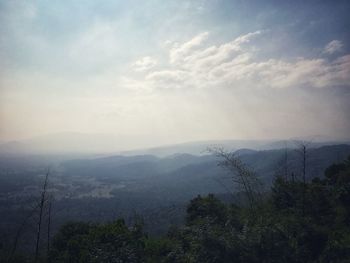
298	219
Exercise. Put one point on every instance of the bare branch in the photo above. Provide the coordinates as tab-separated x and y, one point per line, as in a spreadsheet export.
41	207
241	174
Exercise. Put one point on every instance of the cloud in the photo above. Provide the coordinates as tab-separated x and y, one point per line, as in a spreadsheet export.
246	38
210	56
333	47
178	52
168	78
239	63
144	64
58	59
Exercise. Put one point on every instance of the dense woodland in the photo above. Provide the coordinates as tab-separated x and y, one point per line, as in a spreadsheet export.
298	220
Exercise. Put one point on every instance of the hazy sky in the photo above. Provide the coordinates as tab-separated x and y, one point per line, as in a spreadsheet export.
172	71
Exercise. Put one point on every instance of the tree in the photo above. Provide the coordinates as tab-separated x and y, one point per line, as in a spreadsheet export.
241	175
20	230
303	150
42	203
206	208
112	242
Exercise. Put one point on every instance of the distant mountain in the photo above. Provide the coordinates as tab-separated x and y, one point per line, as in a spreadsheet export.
201	147
184	176
66	143
81	143
157	188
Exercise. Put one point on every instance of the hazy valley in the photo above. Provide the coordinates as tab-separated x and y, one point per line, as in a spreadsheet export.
157	189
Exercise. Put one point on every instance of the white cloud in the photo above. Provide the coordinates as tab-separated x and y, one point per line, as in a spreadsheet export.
168	78
59	59
178	52
193	55
144	64
246	38
333	47
237	64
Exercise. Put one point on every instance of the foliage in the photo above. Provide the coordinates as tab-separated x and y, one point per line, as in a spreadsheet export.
298	222
113	242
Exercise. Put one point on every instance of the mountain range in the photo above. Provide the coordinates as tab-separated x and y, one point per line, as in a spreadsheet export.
93	144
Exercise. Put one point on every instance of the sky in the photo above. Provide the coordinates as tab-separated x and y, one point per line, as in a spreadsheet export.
162	72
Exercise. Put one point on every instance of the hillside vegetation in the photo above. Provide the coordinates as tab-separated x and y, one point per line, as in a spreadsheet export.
294	222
